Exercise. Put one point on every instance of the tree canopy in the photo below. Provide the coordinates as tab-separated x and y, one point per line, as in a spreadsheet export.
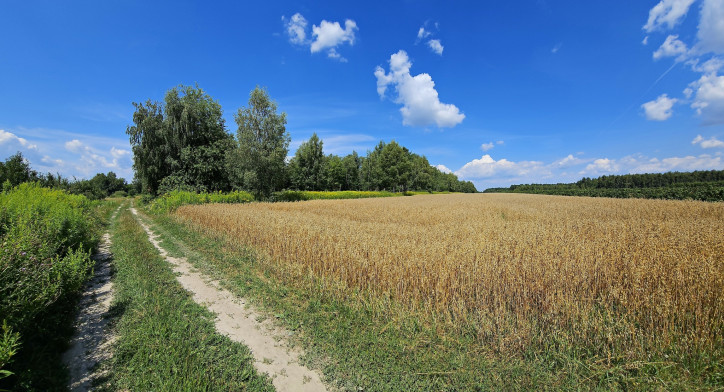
257	163
181	144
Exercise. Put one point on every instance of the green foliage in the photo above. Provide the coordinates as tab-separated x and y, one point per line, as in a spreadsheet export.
257	164
327	195
306	169
697	185
175	199
16	170
9	344
184	139
46	238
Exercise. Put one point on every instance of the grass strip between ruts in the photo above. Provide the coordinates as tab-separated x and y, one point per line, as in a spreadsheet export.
166	342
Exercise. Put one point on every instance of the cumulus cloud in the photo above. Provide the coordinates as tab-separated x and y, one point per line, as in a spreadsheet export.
671	47
709	98
421	105
436	46
296	29
641	164
443	169
486	171
568	161
487	167
487	146
712	142
667	14
704	56
659	109
11	141
328	36
422	33
711	27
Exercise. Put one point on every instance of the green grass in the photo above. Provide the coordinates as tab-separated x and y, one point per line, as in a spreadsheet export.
375	344
166	342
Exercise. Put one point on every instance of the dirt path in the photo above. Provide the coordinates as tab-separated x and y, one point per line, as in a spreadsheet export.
92	342
238	321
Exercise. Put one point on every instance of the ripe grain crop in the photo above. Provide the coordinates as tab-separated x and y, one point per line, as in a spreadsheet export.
623	276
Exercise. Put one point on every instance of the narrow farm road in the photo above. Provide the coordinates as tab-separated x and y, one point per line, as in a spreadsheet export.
238	321
92	340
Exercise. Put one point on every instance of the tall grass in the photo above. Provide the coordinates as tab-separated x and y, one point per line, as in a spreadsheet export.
172	200
330	195
46	237
617	282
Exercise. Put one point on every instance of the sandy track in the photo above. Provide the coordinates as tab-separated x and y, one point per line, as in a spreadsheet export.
238	321
92	340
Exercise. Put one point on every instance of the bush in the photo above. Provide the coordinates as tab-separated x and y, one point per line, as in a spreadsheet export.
328	195
175	199
46	238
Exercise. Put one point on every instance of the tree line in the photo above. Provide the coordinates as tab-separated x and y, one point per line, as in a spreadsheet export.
706	185
16	170
183	144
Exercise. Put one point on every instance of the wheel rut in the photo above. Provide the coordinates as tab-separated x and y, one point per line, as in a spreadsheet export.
236	319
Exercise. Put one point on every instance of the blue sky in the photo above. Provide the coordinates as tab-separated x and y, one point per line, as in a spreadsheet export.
497	92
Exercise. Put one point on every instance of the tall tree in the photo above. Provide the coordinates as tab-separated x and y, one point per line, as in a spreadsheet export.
16	170
182	144
258	164
306	169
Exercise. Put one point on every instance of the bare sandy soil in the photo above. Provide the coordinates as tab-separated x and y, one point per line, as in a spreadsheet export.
92	340
238	320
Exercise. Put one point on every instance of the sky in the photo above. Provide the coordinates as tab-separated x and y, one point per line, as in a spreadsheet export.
499	93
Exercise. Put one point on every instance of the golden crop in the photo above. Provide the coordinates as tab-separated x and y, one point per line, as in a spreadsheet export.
553	261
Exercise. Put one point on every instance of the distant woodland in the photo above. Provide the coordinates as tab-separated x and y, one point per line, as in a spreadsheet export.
707	185
183	144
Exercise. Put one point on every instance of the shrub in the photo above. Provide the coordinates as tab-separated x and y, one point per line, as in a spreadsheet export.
175	199
46	238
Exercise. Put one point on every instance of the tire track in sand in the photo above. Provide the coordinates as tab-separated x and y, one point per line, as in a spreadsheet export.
238	321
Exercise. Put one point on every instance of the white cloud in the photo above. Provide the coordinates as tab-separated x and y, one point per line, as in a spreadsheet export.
487	167
642	164
436	46
711	26
487	146
709	99
671	47
601	166
500	142
667	12
119	153
329	35
645	41
74	145
11	141
443	169
568	161
712	142
556	48
422	33
708	90
297	29
69	154
417	94
660	109
486	171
